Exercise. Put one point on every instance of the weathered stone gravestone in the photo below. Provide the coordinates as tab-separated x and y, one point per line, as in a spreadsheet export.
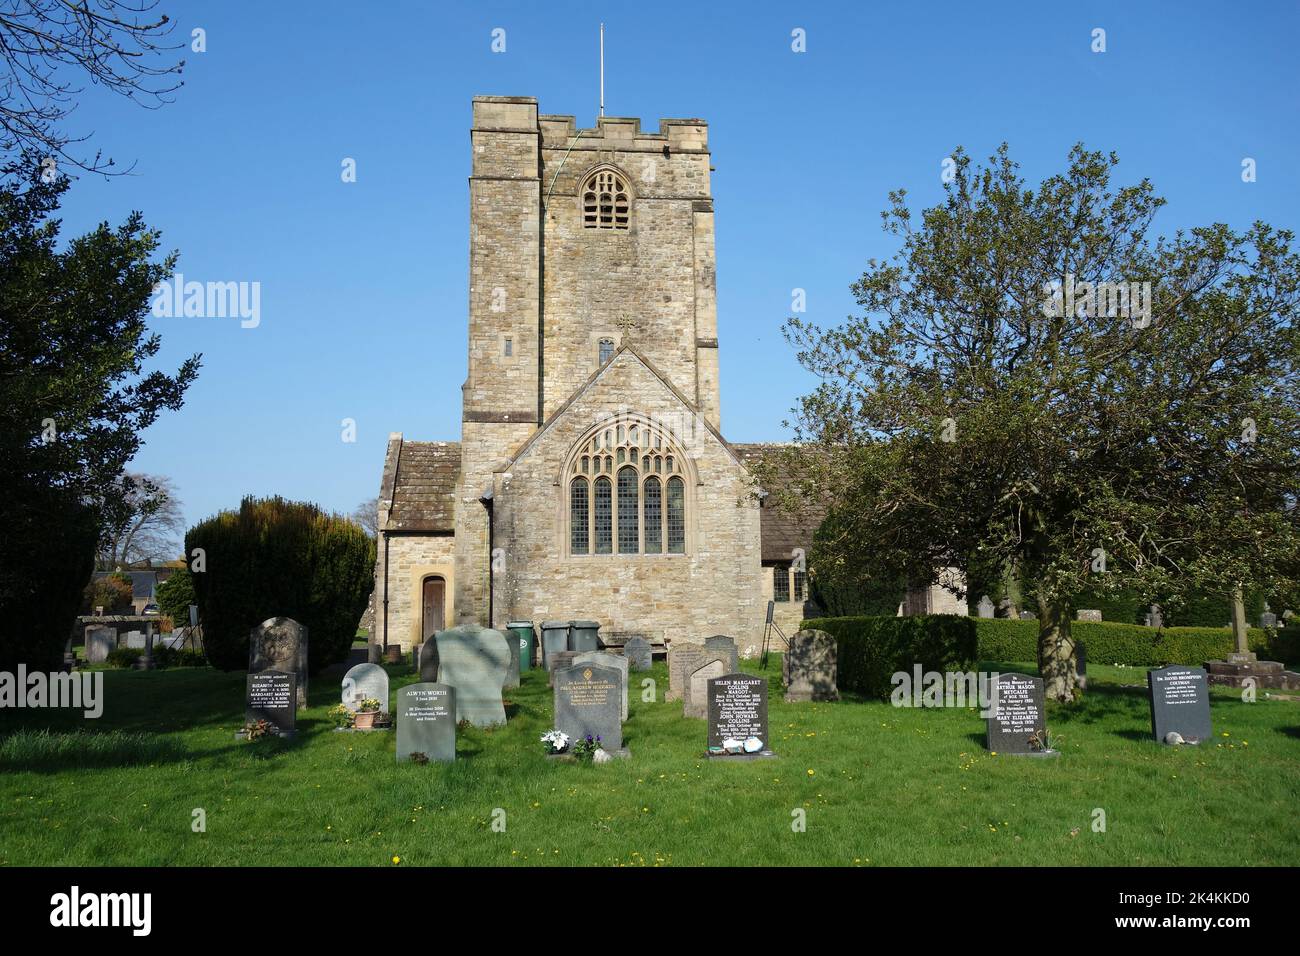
280	644
135	640
695	696
604	659
1268	619
1087	614
374	653
1180	704
587	702
272	696
639	654
474	660
429	661
809	666
737	711
100	642
426	722
985	607
558	661
512	665
1018	724
682	659
725	647
364	681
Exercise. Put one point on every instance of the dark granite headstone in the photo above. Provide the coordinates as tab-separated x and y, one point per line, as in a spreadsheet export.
426	722
725	647
737	708
1018	725
280	644
639	654
1180	703
587	702
272	696
474	660
363	681
429	661
809	666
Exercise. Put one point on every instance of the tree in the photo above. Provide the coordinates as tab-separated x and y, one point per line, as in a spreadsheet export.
175	595
367	515
1037	383
141	523
52	46
75	398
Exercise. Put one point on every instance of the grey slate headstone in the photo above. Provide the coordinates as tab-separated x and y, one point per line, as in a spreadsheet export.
587	702
810	668
1018	716
363	681
1180	702
474	660
280	643
695	691
100	641
605	659
725	647
426	722
737	708
429	661
271	696
639	654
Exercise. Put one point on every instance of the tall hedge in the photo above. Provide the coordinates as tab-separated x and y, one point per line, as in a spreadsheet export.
280	558
871	649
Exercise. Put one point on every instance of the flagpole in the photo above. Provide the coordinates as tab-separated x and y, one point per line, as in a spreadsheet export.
602	69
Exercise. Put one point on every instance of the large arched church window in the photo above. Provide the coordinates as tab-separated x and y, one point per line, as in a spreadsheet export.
626	492
606	200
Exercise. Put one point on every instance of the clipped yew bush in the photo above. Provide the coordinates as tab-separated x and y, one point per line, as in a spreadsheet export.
273	558
870	650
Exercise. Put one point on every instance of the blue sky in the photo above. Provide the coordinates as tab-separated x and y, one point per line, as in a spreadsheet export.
364	285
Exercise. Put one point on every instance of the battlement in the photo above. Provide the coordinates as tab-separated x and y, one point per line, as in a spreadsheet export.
624	132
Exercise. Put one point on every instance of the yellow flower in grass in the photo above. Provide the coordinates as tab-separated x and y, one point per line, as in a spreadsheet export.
811	772
396	860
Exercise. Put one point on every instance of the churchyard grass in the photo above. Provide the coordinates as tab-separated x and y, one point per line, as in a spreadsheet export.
879	785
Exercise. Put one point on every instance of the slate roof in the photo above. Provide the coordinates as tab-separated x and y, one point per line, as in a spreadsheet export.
420	480
782	531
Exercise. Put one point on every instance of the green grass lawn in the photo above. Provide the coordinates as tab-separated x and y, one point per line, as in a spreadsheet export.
879	786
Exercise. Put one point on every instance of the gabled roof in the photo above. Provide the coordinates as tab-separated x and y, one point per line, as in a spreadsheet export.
419	485
782	531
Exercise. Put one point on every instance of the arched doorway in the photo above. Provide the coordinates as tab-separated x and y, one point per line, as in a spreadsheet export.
433	602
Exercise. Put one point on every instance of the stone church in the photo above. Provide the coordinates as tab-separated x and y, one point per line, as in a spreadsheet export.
591	479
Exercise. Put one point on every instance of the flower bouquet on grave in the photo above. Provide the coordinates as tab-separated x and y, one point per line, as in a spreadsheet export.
341	716
366	715
585	749
557	741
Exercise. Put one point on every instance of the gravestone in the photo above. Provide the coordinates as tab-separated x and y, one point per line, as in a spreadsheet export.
365	681
374	653
809	666
1268	619
985	607
100	642
587	702
429	661
272	696
605	659
426	722
1180	703
682	659
1155	618
737	709
724	647
474	660
1018	724
639	654
558	660
512	665
695	696
1087	614
1028	616
280	644
135	640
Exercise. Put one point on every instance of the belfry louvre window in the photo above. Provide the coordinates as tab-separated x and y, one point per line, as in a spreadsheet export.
605	201
636	480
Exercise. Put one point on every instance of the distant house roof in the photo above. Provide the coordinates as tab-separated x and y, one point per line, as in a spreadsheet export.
782	531
419	485
142	582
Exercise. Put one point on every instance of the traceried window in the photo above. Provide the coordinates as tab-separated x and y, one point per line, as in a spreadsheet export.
606	202
606	350
637	484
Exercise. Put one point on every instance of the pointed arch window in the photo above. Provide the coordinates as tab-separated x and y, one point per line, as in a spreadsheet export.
606	200
626	492
605	351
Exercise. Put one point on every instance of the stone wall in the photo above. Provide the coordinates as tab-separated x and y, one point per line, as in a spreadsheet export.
412	558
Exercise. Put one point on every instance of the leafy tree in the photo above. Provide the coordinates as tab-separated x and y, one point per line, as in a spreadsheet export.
74	400
974	416
280	558
175	595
